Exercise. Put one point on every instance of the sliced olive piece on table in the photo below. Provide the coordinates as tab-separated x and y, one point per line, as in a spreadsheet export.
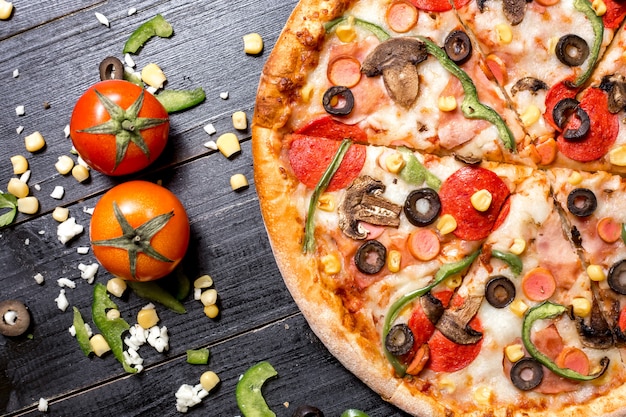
14	318
344	101
399	340
458	47
422	206
581	202
617	277
307	411
370	257
572	50
499	291
526	374
111	68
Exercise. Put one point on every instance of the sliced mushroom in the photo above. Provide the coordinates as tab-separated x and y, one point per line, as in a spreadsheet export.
528	84
454	323
432	307
596	333
615	86
514	11
396	60
363	203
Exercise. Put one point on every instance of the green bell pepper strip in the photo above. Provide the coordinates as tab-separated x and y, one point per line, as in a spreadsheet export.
471	107
8	201
198	356
624	232
514	261
444	272
179	100
352	412
157	26
379	32
414	172
597	25
111	329
152	291
248	392
82	337
544	311
309	228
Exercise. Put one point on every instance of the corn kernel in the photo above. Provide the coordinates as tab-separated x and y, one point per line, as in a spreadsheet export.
552	44
481	200
6	8
205	281
307	93
211	311
61	214
28	205
581	306
99	345
20	164
18	188
80	173
514	352
209	380
596	273
238	182
252	43
228	144
113	314
483	394
331	264
34	142
599	6
446	103
518	307
617	156
531	115
147	317
518	246
504	33
116	286
394	163
326	202
153	75
446	384
209	297
64	164
575	178
394	260
446	224
454	281
239	120
346	32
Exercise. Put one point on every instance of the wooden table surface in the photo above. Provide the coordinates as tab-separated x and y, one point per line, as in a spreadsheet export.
56	47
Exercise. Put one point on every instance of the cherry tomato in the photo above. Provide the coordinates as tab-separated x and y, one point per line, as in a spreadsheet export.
118	128
139	231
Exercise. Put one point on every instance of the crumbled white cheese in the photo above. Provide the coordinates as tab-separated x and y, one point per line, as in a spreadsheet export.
16	73
69	229
25	176
81	161
38	278
66	131
151	89
158	338
72	330
224	95
82	250
42	405
132	358
20	110
19	129
209	129
88	210
41	232
61	301
197	293
102	19
132	11
211	145
37	187
128	60
27	241
58	192
66	282
188	396
88	272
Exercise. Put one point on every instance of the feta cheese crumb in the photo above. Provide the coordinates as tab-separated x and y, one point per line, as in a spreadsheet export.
16	73
66	282
82	250
61	301
188	396
43	405
102	19
25	176
128	60
209	129
211	145
224	95
58	192
19	129
66	131
197	293
158	338
37	187
88	272
20	110
38	278
27	241
132	11
69	229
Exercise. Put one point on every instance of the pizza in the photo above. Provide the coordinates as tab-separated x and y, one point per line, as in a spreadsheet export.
442	183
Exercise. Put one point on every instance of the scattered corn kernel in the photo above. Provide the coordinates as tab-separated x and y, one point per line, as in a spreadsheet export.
596	273
483	394
116	286
346	31
599	6
552	44
252	43
147	317
205	281
446	103
239	120
152	75
20	164
61	214
228	144
34	142
307	93
6	8
575	178
518	307
331	264
64	164
394	162
514	352
617	156
581	306
531	115
80	173
481	200
211	311
209	380
238	182
454	281
99	345
18	188
326	202
28	205
394	260
446	224
518	246
113	314
209	297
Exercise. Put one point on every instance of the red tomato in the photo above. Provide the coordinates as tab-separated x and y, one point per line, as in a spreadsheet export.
124	111
139	231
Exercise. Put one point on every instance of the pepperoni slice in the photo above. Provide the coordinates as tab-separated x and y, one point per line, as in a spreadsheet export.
309	157
438	5
456	192
603	129
558	92
615	13
327	127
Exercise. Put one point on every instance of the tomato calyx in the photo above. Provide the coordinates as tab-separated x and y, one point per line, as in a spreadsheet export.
125	125
137	240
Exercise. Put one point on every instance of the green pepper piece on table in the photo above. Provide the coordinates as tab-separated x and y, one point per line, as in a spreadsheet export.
353	412
198	356
248	392
82	337
152	291
544	311
514	261
157	26
414	172
597	25
179	100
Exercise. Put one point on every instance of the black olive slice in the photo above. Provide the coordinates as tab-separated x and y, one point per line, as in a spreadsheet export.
581	202
422	206
572	50
345	100
563	110
307	411
617	277
499	291
573	135
526	374
399	340
111	68
458	47
14	318
370	257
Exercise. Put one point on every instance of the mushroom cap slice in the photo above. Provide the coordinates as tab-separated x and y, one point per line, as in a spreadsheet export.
402	84
514	11
454	322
